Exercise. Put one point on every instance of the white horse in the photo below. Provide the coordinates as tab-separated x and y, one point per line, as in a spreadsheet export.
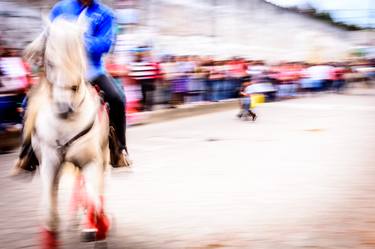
67	123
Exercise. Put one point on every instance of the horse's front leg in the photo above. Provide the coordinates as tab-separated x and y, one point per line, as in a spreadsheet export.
49	171
96	224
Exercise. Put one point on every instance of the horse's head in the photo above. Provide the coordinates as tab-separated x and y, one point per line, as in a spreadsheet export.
60	49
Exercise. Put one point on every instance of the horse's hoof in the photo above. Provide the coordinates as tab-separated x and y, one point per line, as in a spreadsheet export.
49	239
89	234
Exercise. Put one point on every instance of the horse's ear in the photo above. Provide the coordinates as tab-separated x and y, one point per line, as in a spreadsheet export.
34	52
82	20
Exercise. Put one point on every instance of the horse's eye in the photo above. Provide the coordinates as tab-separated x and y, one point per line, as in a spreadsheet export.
50	64
74	88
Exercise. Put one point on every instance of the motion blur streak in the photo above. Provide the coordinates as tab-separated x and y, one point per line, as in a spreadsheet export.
259	126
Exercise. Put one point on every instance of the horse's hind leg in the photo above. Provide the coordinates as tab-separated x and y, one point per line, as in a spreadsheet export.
49	170
97	223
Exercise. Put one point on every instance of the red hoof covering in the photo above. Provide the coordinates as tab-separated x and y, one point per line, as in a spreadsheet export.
97	230
96	224
102	224
49	239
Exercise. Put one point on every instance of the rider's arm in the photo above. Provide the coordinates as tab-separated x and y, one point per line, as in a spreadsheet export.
103	39
98	43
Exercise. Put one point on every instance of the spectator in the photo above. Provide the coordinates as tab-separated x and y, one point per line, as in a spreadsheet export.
237	71
216	78
179	86
338	81
145	72
14	71
245	101
195	85
169	71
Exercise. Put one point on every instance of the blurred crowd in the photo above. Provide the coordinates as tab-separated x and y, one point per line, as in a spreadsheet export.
170	81
175	80
15	73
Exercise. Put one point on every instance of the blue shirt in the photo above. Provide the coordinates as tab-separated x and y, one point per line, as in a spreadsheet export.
99	35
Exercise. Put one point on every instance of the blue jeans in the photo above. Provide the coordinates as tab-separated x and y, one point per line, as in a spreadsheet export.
217	86
208	90
245	103
338	85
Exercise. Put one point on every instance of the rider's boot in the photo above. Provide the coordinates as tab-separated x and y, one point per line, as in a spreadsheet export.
119	156
124	159
27	161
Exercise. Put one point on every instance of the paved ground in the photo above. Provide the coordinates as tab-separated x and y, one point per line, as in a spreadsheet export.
302	176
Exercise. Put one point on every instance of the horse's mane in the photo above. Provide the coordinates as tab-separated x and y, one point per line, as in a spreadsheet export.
64	38
65	41
61	40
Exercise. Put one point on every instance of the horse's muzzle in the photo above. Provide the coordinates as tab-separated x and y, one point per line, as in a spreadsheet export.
64	110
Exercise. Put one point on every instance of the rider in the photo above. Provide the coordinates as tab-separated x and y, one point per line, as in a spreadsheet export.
98	38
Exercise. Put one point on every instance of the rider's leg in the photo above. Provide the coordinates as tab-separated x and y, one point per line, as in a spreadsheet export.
117	118
117	106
